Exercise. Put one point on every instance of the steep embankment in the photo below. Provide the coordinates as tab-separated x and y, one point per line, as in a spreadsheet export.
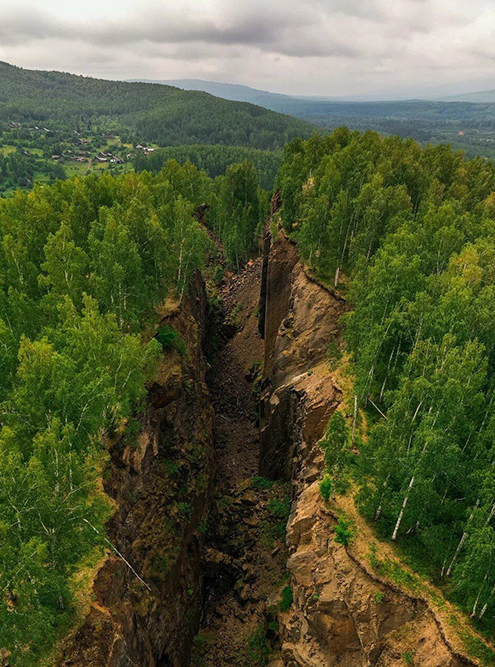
343	613
147	595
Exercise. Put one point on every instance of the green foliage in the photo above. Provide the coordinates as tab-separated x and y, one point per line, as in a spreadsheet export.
218	274
279	507
16	170
408	657
336	445
83	265
326	487
258	650
344	531
55	125
239	212
171	339
258	482
143	111
414	231
287	599
214	159
379	597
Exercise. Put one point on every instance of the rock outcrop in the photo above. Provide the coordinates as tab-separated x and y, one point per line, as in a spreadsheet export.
147	596
342	612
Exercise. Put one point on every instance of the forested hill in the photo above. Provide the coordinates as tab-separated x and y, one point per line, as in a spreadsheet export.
149	112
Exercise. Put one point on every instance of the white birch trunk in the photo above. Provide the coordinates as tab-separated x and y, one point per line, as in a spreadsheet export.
402	509
354	419
461	542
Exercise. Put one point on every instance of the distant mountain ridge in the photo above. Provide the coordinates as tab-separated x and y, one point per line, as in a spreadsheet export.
243	93
483	97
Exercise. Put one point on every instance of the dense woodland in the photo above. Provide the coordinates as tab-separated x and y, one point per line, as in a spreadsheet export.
466	125
147	112
414	231
214	159
83	264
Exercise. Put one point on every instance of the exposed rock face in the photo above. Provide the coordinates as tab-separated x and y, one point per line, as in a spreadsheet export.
342	613
148	616
301	319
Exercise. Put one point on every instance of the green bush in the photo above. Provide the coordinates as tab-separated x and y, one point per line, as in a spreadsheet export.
279	507
170	339
218	274
326	487
343	531
287	599
258	482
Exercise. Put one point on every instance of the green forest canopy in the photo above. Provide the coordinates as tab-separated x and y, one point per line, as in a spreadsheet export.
414	229
83	263
215	160
146	112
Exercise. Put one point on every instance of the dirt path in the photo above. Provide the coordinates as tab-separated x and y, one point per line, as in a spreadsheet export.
245	558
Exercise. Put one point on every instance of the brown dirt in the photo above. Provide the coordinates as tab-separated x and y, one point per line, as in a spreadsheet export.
245	558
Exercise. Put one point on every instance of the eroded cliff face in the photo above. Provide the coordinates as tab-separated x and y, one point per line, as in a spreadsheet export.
148	593
342	613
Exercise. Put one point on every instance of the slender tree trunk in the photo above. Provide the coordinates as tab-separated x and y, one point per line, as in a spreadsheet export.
490	516
461	541
354	419
483	610
402	509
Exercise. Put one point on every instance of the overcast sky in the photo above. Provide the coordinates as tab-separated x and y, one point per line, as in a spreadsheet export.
319	47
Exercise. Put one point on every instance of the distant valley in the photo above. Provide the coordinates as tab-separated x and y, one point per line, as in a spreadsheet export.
467	121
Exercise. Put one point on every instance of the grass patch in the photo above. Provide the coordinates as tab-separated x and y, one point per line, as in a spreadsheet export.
476	647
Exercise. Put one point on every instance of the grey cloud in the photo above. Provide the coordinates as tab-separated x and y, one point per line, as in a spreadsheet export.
279	30
308	46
